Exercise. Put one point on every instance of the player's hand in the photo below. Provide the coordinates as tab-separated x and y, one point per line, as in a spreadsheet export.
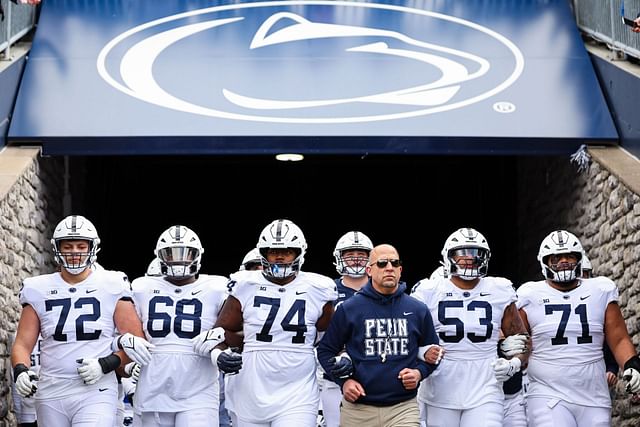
133	370
206	341
341	366
632	377
136	348
514	345
26	384
90	371
228	361
505	369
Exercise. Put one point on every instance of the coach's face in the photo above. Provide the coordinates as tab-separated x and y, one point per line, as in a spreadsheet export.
384	269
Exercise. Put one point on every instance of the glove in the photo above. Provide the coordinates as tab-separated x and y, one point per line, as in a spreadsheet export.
133	370
90	371
514	345
341	366
136	348
505	369
206	341
26	383
228	361
631	374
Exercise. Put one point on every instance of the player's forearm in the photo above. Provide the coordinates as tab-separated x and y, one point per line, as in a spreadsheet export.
20	354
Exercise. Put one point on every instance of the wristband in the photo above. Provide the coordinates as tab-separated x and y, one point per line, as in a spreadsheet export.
632	363
18	369
109	363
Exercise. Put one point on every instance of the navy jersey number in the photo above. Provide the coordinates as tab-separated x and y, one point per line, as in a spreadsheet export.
65	309
182	316
297	309
565	309
459	324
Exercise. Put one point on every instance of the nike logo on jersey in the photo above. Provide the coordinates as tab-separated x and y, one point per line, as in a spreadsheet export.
103	389
91	290
484	294
584	298
300	293
196	292
406	313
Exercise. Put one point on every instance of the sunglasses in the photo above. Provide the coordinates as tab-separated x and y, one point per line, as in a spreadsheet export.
382	263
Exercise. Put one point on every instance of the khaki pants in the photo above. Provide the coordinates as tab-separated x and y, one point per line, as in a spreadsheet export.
403	414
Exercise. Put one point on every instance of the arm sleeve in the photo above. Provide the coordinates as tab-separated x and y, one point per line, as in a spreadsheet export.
333	342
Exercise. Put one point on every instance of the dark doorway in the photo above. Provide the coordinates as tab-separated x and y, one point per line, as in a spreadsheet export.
412	202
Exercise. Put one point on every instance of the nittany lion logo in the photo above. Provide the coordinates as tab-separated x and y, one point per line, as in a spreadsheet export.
303	61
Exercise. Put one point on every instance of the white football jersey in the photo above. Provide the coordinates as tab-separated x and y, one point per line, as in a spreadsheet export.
278	374
76	322
567	333
177	379
468	324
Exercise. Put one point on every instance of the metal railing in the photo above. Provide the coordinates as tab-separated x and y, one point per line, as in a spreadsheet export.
602	20
19	19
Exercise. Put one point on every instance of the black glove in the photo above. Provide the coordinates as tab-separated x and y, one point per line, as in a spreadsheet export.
228	361
342	366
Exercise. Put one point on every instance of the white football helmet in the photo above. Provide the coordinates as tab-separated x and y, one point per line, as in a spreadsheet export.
179	251
75	227
353	240
281	234
251	260
466	242
587	268
154	268
556	243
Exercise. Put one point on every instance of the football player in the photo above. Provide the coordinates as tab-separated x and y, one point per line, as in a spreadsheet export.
469	308
279	309
570	319
76	310
177	387
351	257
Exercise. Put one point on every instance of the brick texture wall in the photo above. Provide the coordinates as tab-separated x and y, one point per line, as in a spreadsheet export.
28	213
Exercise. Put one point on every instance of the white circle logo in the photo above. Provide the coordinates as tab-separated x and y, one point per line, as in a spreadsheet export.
305	61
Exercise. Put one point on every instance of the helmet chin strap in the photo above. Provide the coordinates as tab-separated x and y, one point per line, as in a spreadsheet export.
75	271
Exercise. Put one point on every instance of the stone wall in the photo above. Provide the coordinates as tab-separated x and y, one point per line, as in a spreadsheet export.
29	211
605	214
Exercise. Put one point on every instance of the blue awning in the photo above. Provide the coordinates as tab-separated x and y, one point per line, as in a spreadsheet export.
327	77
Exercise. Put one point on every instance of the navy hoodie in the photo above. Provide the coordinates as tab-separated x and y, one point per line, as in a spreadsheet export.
382	334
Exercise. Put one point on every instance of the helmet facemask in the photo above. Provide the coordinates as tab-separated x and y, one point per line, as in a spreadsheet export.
74	262
281	270
179	262
473	265
563	272
352	265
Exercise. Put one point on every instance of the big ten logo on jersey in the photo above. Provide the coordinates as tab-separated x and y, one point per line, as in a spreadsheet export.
386	337
35	354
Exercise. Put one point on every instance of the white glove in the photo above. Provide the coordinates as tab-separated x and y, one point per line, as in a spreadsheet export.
26	384
505	369
207	341
90	371
136	348
128	386
514	345
632	377
133	370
